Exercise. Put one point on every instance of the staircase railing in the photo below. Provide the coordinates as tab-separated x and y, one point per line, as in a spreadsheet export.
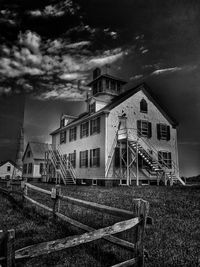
110	155
55	161
67	163
134	134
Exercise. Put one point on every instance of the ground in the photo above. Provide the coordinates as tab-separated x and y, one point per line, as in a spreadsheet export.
173	240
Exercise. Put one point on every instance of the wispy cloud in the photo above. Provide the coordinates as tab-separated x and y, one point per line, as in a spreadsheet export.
174	69
136	77
56	10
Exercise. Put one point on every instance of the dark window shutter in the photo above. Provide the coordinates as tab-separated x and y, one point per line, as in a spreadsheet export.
74	158
69	135
90	157
98	124
149	130
86	165
91	127
81	126
87	132
65	137
139	123
168	133
158	132
75	133
80	159
98	157
117	157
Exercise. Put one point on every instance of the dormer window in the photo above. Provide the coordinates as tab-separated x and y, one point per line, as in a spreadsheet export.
143	106
92	108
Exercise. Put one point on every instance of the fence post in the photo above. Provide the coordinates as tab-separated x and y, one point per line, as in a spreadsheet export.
54	199
58	194
25	191
7	247
142	210
8	185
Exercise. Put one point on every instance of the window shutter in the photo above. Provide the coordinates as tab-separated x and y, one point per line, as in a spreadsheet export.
91	127
139	127
80	159
64	136
158	132
81	127
69	135
90	157
86	165
168	133
149	130
75	133
87	131
74	158
98	124
98	157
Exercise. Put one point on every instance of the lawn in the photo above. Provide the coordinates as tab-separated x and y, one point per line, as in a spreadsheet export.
173	240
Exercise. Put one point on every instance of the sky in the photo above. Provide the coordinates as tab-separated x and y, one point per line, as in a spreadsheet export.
49	48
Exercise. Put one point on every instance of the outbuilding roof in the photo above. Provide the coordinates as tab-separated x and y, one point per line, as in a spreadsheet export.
37	149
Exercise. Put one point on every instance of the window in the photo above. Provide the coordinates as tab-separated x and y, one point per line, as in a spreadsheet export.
118	86
30	168
72	134
41	168
163	132
165	159
95	157
84	130
143	106
25	168
107	83
84	158
100	86
62	137
92	108
29	154
113	85
144	128
95	126
94	88
8	168
72	158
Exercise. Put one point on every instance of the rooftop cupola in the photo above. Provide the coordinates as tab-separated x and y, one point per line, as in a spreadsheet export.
105	84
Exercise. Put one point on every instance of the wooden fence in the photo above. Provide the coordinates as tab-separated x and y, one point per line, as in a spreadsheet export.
136	220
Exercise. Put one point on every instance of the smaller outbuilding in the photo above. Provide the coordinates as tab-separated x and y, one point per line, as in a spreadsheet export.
9	170
33	160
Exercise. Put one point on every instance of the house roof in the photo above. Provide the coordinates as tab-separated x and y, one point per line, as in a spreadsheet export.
37	149
10	161
118	100
106	76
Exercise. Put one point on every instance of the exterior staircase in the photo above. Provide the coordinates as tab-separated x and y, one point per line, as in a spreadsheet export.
155	167
62	166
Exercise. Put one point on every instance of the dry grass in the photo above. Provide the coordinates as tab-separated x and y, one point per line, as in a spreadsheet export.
173	240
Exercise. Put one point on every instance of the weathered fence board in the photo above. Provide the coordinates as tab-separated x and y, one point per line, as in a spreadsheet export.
126	263
68	242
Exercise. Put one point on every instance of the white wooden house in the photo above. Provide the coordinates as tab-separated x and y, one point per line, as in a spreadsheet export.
9	170
124	137
33	160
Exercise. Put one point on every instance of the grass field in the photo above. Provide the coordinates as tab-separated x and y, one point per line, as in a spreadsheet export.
173	240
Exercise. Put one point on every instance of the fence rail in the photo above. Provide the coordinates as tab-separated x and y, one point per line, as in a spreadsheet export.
134	219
